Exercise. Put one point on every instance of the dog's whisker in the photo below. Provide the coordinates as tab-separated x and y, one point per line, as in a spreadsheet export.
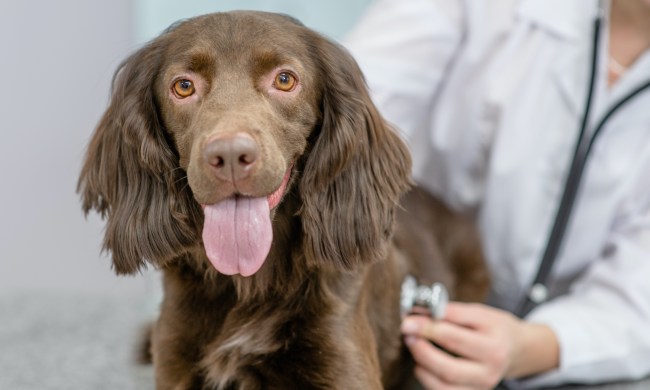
185	186
174	170
181	179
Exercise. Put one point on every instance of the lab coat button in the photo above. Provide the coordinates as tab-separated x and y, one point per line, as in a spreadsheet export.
538	293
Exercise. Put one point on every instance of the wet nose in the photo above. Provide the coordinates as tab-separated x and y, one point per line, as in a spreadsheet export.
231	157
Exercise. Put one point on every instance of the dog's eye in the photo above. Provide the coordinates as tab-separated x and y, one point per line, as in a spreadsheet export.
183	88
284	81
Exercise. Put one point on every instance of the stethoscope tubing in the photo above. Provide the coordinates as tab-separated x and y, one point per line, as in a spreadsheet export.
580	157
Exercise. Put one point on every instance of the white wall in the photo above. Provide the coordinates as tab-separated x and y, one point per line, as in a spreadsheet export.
56	62
332	17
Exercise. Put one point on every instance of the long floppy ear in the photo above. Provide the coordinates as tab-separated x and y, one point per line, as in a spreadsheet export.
356	171
130	174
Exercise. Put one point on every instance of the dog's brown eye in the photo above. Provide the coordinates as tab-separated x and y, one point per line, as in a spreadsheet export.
284	81
183	88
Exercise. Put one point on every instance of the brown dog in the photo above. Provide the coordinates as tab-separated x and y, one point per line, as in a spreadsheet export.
242	156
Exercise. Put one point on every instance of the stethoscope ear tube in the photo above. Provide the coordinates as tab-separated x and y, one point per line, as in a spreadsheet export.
538	291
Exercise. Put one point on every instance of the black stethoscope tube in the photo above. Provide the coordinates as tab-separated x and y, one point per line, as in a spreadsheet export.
538	291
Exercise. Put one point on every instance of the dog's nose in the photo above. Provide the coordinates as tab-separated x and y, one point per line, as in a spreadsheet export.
231	157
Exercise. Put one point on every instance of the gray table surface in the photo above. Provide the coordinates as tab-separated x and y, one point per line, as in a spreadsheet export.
70	341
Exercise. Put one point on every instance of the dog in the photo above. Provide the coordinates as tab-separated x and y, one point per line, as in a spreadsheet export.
242	156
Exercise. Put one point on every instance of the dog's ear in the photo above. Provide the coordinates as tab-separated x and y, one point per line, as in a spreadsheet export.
355	172
130	174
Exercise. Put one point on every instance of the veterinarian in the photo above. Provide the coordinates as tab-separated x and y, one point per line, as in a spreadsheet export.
534	117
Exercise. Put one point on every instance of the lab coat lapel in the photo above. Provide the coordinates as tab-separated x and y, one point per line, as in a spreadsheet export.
571	23
571	76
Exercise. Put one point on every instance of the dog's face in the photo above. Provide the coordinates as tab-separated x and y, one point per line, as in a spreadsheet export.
210	125
239	107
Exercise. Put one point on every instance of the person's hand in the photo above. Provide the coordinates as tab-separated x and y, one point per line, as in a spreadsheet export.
483	344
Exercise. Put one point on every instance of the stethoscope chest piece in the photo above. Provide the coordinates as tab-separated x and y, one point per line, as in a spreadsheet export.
421	299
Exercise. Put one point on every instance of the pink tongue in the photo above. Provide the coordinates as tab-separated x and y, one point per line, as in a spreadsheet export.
237	234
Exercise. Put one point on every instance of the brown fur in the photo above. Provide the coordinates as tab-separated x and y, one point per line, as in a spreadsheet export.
323	310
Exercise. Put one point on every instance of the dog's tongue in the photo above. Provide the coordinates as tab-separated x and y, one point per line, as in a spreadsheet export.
237	234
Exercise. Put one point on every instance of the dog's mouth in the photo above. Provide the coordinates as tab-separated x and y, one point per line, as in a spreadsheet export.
275	198
237	232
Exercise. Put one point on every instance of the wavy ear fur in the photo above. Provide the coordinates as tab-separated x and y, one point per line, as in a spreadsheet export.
130	174
355	172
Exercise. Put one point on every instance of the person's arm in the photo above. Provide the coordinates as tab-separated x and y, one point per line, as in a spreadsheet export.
404	48
603	324
476	346
599	332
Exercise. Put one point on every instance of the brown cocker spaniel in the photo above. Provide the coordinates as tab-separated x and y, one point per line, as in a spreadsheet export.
242	156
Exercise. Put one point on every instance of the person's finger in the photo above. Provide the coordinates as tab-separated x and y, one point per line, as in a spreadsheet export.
458	340
431	382
470	315
447	368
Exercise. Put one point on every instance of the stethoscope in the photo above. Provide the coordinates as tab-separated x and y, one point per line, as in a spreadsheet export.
434	298
538	291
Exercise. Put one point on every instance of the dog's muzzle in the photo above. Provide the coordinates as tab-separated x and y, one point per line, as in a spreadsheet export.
420	299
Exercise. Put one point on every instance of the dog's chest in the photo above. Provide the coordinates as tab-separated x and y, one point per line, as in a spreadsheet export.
270	352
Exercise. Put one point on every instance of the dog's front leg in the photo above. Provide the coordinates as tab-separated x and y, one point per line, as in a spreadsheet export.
174	360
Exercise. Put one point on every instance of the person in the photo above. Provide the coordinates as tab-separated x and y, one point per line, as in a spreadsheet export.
490	96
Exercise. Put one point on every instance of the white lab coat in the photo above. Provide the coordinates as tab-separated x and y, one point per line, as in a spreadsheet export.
489	95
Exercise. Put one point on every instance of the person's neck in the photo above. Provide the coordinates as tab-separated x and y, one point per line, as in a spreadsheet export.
629	34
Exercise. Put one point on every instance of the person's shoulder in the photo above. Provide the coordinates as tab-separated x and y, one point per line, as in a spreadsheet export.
493	14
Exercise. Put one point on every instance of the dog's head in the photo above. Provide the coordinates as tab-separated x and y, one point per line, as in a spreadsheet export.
210	125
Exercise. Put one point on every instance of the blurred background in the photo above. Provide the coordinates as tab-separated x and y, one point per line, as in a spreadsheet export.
64	315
